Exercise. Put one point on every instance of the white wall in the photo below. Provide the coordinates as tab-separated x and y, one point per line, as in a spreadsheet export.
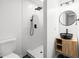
51	4
45	28
75	27
31	42
15	21
72	28
10	21
52	26
52	31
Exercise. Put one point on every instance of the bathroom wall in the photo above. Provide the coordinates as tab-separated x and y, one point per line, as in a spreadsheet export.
75	27
10	21
72	28
15	23
31	42
45	28
52	26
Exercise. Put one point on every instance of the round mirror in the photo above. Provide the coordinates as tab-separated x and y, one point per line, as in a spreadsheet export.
67	18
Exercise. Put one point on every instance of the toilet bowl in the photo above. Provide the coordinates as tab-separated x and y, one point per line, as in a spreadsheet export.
7	47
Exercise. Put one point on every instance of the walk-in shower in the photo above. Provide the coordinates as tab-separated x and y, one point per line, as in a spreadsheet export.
33	28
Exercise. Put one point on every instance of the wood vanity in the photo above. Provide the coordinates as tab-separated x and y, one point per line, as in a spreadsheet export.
67	47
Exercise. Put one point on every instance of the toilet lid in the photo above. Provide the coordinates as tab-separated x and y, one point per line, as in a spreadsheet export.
12	55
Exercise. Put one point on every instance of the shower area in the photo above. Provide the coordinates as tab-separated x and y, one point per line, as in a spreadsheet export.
32	28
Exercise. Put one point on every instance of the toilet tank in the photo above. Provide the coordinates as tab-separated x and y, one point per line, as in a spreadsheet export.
7	46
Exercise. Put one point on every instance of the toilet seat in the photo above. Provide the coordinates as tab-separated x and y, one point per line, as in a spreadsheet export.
12	55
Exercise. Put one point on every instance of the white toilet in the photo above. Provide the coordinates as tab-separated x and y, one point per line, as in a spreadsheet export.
7	46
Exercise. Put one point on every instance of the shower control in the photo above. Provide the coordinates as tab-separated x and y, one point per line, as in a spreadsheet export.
35	26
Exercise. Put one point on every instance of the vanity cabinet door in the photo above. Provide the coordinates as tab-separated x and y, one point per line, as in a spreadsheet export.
73	48
65	48
69	48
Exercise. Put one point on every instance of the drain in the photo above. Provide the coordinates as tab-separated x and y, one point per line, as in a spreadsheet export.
41	52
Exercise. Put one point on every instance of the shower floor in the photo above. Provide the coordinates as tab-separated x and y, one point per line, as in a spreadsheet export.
36	53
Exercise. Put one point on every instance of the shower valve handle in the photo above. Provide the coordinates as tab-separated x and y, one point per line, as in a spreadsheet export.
35	26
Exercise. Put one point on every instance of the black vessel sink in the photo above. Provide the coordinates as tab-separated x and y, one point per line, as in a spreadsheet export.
66	35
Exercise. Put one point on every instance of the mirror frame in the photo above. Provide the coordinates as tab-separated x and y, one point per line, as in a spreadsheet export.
64	12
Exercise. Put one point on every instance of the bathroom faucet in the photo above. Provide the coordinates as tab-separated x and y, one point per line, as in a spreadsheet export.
66	31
